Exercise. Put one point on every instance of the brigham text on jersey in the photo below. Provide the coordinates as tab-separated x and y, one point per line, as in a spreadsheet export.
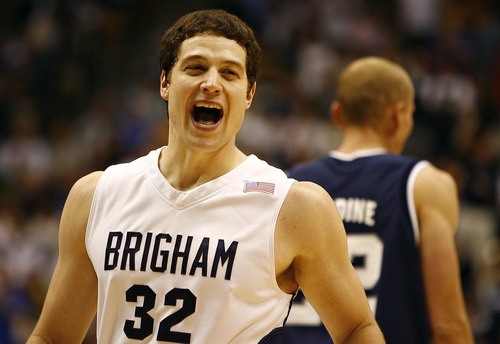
134	250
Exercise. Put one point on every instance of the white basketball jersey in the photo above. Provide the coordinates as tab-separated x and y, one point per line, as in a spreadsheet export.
191	266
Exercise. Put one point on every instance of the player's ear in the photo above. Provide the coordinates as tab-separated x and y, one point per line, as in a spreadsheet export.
394	117
336	113
164	86
250	95
399	113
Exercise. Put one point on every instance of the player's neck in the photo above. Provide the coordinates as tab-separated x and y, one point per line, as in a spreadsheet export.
361	139
187	170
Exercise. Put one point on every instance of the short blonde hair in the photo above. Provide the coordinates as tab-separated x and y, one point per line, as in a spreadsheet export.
369	85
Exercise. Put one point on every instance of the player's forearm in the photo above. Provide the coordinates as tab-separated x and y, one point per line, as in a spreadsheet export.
46	336
458	332
369	334
35	339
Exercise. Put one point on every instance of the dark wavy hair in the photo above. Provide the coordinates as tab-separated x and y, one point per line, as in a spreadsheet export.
216	22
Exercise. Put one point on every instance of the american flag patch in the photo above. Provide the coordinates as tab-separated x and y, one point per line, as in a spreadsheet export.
259	187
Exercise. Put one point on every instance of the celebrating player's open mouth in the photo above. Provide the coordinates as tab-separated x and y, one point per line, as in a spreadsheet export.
206	115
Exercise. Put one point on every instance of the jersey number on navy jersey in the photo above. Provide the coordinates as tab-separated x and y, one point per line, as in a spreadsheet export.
146	322
366	253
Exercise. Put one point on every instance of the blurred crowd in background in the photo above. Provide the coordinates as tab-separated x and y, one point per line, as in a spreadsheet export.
79	90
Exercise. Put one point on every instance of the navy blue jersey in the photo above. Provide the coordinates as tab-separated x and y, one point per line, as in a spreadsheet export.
374	195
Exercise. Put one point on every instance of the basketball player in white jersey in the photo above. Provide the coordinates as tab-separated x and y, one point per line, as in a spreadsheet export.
197	242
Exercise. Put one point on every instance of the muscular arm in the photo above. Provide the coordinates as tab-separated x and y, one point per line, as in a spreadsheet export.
311	251
71	300
437	211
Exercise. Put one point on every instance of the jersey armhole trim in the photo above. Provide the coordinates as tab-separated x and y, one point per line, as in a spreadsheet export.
92	211
410	187
272	257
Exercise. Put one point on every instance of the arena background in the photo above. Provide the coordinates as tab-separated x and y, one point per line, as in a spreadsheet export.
79	90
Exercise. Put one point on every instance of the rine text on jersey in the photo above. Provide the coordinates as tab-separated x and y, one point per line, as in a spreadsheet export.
357	210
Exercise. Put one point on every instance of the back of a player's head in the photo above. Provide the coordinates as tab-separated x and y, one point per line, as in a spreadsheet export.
368	86
215	22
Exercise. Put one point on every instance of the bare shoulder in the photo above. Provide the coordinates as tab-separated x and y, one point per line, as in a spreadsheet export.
82	192
304	199
308	227
85	186
306	205
433	177
76	210
73	226
436	200
434	185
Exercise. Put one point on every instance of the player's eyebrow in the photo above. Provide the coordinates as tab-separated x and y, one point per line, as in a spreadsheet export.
190	58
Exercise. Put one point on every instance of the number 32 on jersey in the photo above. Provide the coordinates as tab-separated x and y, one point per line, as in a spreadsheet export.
143	324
